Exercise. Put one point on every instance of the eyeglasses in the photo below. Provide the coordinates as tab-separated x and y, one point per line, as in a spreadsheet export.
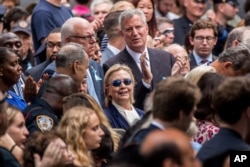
86	37
201	38
168	31
118	82
52	45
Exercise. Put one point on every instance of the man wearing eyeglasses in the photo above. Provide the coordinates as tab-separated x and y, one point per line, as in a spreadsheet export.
225	10
53	44
166	28
203	37
194	9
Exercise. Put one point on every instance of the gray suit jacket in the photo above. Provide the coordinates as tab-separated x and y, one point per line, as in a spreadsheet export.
37	71
161	63
106	54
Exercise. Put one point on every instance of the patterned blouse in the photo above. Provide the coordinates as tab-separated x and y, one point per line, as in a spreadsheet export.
206	130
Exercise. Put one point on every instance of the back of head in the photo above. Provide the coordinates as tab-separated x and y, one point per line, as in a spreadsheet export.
208	83
69	53
111	24
246	38
60	86
231	99
176	141
195	74
239	57
173	95
235	34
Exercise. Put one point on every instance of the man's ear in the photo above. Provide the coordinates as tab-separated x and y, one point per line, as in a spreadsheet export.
227	65
167	162
75	66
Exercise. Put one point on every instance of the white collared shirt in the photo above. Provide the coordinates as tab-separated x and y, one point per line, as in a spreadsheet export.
113	49
136	56
198	59
131	116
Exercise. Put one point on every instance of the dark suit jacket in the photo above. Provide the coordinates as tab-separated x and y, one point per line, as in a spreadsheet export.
161	63
193	63
181	29
116	119
36	71
141	134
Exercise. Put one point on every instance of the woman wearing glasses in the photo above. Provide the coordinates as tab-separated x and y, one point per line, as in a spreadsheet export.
119	89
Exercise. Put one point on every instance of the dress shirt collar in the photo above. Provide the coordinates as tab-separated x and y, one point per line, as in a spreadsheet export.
198	59
135	55
113	49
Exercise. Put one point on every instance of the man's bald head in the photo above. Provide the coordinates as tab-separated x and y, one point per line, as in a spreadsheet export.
168	137
71	25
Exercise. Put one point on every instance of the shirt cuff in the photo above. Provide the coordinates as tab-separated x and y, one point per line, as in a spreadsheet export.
146	84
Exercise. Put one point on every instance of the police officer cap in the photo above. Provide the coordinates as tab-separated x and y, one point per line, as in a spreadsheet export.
233	2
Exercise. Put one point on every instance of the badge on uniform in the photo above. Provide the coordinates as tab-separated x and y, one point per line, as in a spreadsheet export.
44	122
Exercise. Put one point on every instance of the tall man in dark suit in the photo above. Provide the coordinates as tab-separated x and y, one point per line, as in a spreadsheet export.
149	66
203	37
194	9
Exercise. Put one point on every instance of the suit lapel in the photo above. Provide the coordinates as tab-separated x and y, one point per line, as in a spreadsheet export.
154	65
192	61
127	59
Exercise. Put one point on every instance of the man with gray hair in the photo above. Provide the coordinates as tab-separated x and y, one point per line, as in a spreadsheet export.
79	30
149	66
235	37
72	60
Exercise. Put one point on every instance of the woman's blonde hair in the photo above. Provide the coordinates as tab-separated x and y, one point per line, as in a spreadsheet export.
111	70
71	128
11	113
85	100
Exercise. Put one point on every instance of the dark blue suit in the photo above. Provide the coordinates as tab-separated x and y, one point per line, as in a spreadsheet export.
161	63
36	71
141	134
214	151
116	119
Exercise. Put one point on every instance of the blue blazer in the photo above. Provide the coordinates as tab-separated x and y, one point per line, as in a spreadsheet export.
116	119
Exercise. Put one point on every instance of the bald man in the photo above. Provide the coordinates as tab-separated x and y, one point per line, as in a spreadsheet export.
43	113
179	151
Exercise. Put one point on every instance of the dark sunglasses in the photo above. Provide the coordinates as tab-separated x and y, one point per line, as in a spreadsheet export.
118	82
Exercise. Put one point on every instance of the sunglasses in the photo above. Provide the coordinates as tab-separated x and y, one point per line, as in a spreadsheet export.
118	82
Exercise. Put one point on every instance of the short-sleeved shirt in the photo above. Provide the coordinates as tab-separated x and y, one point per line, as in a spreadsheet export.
45	18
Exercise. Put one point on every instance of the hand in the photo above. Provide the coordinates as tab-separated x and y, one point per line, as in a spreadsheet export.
97	24
180	62
53	156
159	41
30	89
146	73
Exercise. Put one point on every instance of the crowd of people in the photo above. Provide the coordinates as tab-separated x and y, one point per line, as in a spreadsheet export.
124	83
